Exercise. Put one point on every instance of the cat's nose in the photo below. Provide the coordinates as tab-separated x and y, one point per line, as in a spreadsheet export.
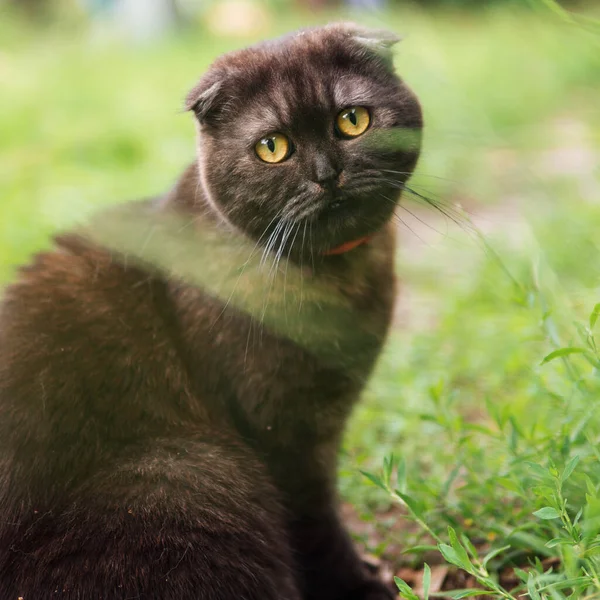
326	173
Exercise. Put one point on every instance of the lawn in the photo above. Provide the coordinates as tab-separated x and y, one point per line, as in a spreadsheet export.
484	403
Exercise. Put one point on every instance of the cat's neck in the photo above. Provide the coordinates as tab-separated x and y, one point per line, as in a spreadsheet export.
187	195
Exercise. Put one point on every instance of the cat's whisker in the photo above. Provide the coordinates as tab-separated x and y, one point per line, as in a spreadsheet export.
312	254
302	245
432	199
414	216
271	242
277	215
243	269
250	332
275	254
280	248
447	210
287	264
303	211
420	175
284	226
401	220
284	242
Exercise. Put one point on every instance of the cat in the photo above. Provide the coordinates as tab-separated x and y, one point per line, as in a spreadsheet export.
175	378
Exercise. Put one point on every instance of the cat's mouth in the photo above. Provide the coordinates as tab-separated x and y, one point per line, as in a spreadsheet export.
350	214
317	221
334	202
338	201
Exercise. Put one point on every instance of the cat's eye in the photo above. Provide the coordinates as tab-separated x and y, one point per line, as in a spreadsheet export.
273	148
352	122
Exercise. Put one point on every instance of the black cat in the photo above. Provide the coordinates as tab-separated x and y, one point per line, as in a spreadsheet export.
164	438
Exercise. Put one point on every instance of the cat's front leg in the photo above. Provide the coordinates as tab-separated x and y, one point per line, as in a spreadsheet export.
329	566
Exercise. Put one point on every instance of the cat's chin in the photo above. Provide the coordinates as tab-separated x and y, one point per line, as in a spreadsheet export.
343	223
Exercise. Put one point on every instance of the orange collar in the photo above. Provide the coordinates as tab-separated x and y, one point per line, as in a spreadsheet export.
347	246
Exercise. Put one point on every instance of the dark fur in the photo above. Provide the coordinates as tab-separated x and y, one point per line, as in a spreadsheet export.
145	450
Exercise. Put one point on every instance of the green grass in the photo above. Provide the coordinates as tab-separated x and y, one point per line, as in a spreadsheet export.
484	435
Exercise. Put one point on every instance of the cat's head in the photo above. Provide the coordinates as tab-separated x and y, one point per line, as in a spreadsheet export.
306	141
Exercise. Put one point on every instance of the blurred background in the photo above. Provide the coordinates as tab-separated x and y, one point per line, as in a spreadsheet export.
498	258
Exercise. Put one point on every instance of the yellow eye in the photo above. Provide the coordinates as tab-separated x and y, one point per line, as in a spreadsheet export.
354	121
273	148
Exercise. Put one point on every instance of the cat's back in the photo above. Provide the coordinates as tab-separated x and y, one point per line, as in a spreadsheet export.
73	284
86	352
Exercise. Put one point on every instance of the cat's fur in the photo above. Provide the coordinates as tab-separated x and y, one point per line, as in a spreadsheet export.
156	440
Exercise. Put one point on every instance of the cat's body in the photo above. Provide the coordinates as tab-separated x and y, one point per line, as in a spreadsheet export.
158	442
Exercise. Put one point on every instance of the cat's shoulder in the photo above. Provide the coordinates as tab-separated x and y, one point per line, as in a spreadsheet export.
73	270
73	294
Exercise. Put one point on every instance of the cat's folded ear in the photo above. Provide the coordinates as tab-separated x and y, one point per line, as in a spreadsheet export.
205	98
378	41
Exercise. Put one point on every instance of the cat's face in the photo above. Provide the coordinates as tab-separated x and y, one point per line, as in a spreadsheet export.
305	142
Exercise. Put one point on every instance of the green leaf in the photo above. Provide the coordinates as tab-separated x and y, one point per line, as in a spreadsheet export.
557	542
522	575
564	352
450	555
543	491
429	418
531	589
436	391
584	334
461	553
569	468
547	513
594	315
591	519
419	549
590	486
569	582
388	468
405	589
538	469
426	581
374	479
467	593
510	484
466	542
411	504
522	539
492	554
